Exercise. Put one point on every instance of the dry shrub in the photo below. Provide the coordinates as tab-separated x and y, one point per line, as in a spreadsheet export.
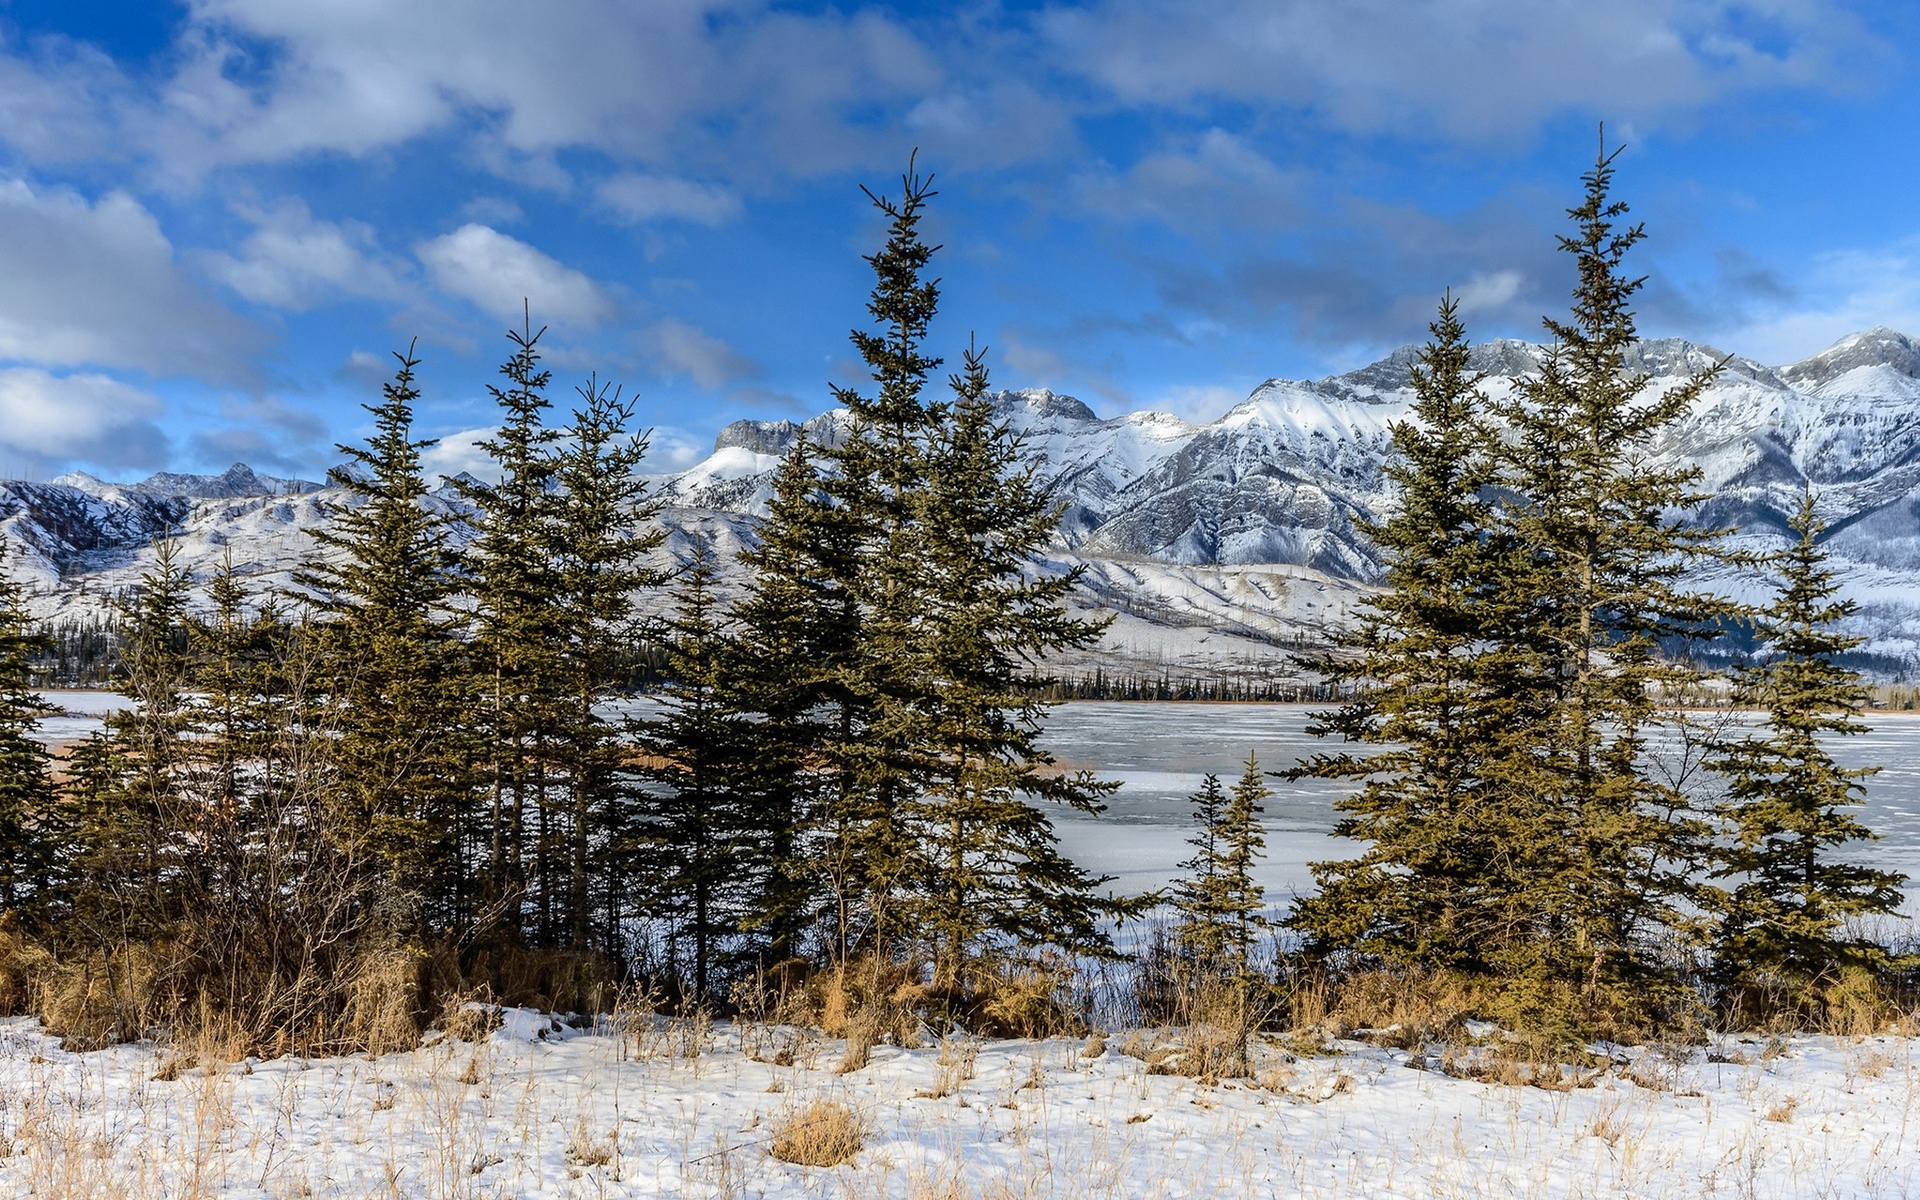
22	962
1024	1001
824	1134
469	1021
90	1000
383	1002
868	1002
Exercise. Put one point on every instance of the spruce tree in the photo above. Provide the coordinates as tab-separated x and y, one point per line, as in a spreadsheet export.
509	570
796	634
1602	855
988	878
383	583
30	828
1439	692
700	814
603	530
1221	908
875	471
1788	801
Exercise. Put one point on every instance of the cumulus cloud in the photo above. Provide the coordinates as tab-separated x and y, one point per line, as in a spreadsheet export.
499	274
96	283
636	196
681	349
86	417
291	260
272	80
1479	69
460	451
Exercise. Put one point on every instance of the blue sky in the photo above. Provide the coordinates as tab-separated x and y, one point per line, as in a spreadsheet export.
218	218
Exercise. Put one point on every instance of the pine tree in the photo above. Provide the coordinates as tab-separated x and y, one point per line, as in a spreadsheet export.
1787	799
988	878
868	750
600	537
1603	855
796	635
30	833
510	572
699	819
383	586
1438	689
1221	908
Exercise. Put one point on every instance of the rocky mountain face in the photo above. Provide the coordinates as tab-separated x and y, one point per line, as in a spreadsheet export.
1212	544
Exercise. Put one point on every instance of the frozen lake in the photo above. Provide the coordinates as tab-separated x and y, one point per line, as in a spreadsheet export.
1158	753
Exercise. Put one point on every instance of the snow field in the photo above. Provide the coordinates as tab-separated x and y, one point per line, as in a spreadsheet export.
539	1110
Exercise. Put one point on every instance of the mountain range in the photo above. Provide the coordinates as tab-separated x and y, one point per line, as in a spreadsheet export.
1213	545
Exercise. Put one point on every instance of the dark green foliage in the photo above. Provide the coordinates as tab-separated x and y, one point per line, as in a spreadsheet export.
1222	910
598	542
1605	851
699	820
30	834
988	878
1439	690
515	642
384	582
1787	800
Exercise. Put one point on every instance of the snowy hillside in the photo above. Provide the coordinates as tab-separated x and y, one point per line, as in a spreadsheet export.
1214	543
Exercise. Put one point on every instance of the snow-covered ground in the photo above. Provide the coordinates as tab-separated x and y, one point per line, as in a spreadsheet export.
538	1110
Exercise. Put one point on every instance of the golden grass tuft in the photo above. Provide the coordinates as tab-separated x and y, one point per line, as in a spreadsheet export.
826	1133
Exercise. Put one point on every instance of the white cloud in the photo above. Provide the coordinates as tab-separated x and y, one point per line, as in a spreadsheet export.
1483	291
1843	292
460	451
1467	68
498	273
96	284
642	197
681	349
290	260
1198	403
86	417
272	80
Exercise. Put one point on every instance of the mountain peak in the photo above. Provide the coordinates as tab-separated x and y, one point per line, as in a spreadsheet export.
1876	347
237	480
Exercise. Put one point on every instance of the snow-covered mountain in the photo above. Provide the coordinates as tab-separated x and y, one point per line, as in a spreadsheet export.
1212	543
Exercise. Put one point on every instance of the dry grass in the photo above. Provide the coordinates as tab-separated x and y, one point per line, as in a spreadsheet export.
826	1133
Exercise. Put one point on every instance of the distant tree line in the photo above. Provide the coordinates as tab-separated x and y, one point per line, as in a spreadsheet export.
326	816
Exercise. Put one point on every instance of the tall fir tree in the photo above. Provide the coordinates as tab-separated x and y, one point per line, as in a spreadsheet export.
383	582
876	469
988	878
30	817
700	813
509	569
603	531
1787	801
1439	690
1605	854
796	636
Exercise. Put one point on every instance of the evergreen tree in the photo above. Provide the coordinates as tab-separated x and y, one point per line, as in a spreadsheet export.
510	571
383	584
1787	799
1604	853
1221	908
988	877
796	636
699	818
877	468
601	535
29	815
1440	692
